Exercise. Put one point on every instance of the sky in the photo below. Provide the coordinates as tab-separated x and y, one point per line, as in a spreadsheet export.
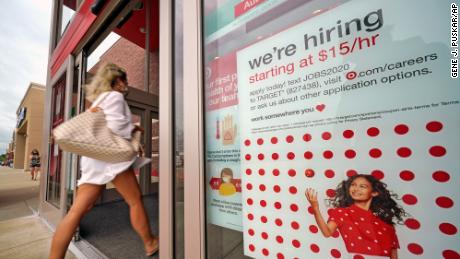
24	42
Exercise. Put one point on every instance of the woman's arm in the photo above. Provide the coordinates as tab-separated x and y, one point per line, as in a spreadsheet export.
394	253
326	228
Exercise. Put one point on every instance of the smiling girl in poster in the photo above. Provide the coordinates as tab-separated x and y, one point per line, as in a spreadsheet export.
364	213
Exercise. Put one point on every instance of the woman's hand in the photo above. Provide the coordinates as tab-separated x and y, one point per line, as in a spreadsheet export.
327	229
312	197
137	128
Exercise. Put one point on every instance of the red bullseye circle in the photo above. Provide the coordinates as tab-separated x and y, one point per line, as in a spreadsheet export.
409	199
437	151
277	205
328	154
401	129
278	222
407	175
265	252
351	173
313	229
309	173
306	137
336	234
375	153
279	239
351	75
441	176
295	225
336	253
404	152
450	254
412	223
263	219
348	134
434	126
379	175
261	171
296	243
373	132
330	193
329	173
448	229
263	203
326	135
415	248
350	153
444	202
314	248
308	155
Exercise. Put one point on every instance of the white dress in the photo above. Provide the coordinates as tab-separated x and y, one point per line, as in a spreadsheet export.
118	118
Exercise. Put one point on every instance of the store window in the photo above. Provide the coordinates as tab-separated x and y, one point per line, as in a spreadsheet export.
66	11
322	95
55	157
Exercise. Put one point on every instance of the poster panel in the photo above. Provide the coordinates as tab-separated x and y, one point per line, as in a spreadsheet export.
223	180
363	88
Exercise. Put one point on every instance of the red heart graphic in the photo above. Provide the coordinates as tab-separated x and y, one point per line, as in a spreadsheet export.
320	107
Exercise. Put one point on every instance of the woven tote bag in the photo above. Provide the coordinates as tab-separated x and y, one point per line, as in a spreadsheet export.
87	135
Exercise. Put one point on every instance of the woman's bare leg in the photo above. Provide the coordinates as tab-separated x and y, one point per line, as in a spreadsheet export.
126	184
87	194
32	171
36	173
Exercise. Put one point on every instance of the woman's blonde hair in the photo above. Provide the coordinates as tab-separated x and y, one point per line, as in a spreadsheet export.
103	80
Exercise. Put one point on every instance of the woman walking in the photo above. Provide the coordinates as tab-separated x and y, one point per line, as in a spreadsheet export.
34	164
107	88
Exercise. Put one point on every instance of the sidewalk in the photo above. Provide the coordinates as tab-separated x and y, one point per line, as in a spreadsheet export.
23	235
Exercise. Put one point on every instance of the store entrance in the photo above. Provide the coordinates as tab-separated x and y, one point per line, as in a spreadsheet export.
107	226
130	42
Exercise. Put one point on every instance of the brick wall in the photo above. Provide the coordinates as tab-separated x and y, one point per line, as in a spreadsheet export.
132	58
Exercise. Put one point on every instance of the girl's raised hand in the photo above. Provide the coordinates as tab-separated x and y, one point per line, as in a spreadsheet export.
312	197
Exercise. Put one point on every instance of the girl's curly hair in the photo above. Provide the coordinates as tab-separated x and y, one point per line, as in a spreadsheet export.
383	205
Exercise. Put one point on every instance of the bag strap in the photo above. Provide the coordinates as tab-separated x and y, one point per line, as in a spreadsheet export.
95	104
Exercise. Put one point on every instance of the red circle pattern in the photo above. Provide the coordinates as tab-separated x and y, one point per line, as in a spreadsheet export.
439	176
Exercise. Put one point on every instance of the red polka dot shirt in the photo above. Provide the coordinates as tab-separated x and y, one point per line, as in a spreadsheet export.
363	232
